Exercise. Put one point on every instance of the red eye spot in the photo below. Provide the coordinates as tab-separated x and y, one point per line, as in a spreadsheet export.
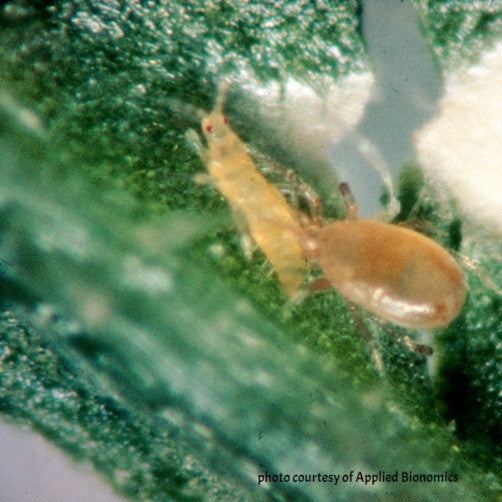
225	120
209	128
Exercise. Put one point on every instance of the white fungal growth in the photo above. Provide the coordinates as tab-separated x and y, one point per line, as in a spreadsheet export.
462	146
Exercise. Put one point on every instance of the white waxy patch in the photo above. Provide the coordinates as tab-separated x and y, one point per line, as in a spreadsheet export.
462	146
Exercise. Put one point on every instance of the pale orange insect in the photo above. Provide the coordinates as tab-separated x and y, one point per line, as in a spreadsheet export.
262	211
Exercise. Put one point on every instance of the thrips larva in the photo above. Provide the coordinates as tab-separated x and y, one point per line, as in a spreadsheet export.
261	210
394	272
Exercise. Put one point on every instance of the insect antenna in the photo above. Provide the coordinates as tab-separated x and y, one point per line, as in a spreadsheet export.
221	99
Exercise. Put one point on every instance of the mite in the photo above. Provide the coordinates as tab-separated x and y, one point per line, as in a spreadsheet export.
392	271
263	213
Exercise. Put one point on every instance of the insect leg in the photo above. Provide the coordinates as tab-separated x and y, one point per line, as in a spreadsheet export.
474	266
246	239
363	329
193	139
426	350
321	284
350	203
203	179
309	195
247	244
291	194
294	185
221	96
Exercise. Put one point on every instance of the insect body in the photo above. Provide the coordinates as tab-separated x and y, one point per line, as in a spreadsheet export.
273	225
394	272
